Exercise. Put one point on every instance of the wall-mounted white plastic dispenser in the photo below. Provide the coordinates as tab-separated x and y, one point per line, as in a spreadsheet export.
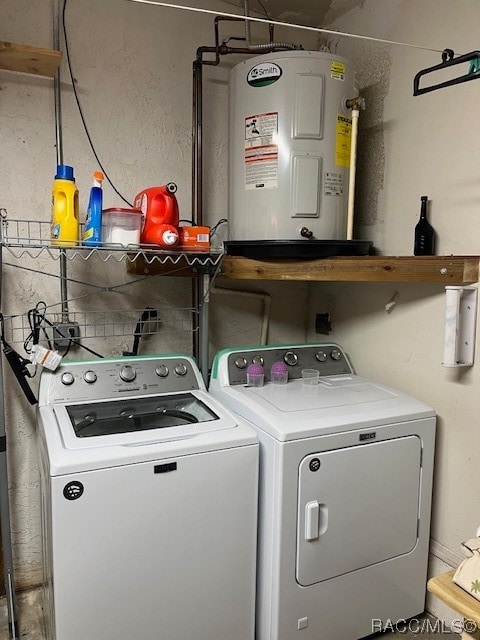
460	326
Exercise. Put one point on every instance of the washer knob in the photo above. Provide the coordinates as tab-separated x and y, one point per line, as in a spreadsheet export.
321	356
290	358
240	363
90	377
336	354
258	360
162	371
181	369
128	373
67	378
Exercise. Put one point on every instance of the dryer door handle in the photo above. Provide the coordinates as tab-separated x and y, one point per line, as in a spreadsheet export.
316	520
312	514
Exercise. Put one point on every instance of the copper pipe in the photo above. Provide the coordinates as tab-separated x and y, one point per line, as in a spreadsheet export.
198	288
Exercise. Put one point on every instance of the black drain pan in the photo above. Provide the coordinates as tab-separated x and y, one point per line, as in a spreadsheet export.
297	249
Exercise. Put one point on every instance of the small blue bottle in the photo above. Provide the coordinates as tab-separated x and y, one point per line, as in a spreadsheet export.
92	232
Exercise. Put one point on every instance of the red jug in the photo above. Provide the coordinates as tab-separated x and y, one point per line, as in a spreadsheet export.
160	213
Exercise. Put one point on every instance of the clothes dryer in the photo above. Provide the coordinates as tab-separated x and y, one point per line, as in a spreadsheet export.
345	489
149	504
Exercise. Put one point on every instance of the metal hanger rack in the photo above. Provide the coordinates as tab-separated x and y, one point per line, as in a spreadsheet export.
448	61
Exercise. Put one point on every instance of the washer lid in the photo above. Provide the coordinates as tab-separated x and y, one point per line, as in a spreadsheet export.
135	421
135	415
66	453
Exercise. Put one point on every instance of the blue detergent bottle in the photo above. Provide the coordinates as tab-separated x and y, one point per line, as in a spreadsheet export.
92	232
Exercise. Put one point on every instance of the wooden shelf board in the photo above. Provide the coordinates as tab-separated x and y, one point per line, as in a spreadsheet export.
447	270
141	267
455	597
27	59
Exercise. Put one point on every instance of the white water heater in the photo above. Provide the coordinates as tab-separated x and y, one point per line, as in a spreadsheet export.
290	138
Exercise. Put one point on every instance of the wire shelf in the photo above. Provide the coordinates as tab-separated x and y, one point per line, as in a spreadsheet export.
32	238
114	323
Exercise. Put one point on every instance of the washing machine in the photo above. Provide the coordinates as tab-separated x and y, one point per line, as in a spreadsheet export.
346	470
149	504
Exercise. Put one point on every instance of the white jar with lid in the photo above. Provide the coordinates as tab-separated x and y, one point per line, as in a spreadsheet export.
121	226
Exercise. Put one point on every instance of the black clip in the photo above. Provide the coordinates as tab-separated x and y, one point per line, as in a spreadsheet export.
17	364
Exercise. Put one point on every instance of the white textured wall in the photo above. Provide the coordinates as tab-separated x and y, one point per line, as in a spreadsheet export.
132	65
133	71
429	145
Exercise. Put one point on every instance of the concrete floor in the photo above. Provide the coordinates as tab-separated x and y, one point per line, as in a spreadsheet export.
30	622
29	605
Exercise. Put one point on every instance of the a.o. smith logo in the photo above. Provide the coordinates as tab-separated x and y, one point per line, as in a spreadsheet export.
263	74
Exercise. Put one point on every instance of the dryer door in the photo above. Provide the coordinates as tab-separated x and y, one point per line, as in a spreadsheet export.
356	507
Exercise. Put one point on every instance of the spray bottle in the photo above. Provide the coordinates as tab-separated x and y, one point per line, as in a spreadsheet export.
92	232
65	224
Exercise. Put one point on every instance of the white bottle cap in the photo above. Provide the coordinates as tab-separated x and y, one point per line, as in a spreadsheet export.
169	237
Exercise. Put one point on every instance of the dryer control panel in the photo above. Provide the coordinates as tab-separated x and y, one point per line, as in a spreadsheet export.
328	359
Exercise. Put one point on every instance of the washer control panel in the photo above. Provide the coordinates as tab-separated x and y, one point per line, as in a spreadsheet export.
328	359
112	377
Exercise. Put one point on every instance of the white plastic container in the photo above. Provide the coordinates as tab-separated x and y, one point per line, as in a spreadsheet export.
310	377
289	139
121	226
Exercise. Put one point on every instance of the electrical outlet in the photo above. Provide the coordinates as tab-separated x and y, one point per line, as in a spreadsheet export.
63	333
323	324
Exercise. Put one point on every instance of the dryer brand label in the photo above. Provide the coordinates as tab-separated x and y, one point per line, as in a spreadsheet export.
314	464
368	436
165	468
264	74
73	490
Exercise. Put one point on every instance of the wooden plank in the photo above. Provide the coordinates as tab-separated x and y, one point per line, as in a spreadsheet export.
456	598
142	267
27	59
447	270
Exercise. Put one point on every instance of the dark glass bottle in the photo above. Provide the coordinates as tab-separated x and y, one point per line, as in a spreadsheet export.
424	234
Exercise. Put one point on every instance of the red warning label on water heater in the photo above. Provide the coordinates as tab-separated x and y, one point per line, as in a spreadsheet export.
261	151
261	167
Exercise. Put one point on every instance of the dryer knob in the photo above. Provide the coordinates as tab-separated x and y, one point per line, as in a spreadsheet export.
67	378
336	354
291	358
258	360
90	377
321	356
181	369
128	373
240	363
162	371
